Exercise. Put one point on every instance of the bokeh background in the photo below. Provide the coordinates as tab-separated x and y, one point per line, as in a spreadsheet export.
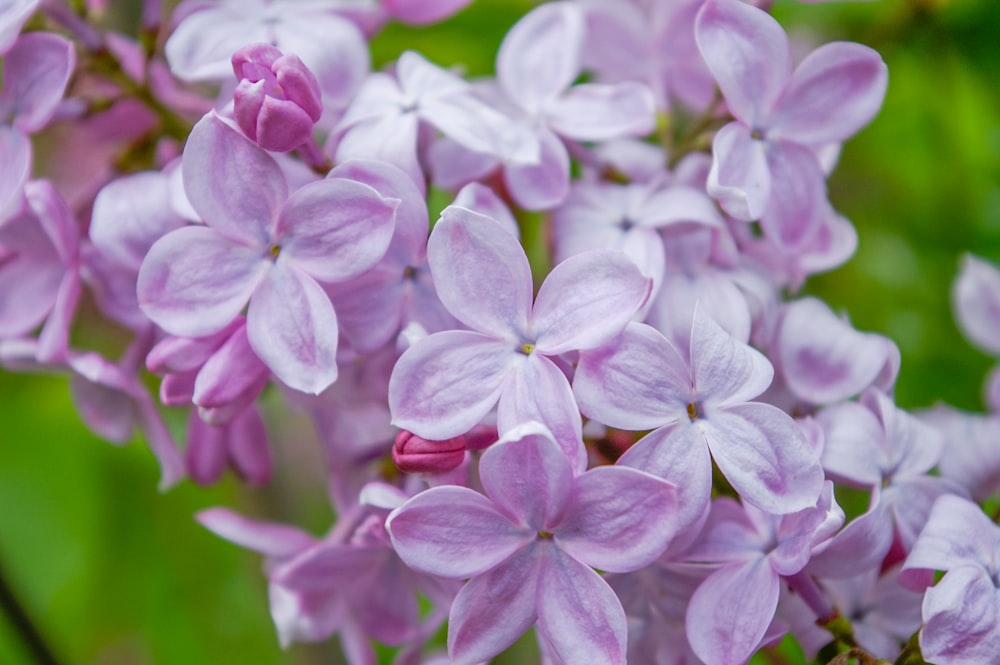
114	572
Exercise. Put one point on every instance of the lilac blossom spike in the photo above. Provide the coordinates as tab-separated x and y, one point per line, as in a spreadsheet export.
447	382
765	165
528	548
699	402
266	247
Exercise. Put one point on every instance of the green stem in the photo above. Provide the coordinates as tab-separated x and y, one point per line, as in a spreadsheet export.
23	625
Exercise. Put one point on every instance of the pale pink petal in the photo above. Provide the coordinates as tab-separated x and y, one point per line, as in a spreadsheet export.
28	292
747	52
740	178
454	532
452	165
579	615
764	455
851	435
619	520
538	390
329	567
35	73
53	342
477	126
832	94
614	385
679	455
471	255
205	457
274	540
822	358
194	282
730	612
336	228
540	56
961	619
230	379
388	138
494	609
586	300
543	185
527	476
975	297
483	200
595	112
447	382
292	328
726	371
797	206
235	186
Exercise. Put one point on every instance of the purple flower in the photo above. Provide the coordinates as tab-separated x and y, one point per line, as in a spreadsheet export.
765	166
447	382
977	307
13	14
699	402
266	247
529	544
277	100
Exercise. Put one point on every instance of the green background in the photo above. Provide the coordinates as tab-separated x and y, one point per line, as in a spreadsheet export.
114	572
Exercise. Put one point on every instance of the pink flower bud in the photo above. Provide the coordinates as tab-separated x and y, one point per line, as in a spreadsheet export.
278	100
481	437
414	454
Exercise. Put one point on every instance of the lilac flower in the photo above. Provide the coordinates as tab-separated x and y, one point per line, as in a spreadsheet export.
961	613
420	12
730	611
208	33
241	443
264	247
528	547
448	381
696	403
971	456
544	100
764	163
384	120
277	100
36	70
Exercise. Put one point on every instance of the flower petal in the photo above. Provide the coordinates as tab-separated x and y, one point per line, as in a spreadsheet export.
274	540
542	185
528	477
586	300
763	453
619	519
595	112
194	281
797	206
481	273
445	383
961	619
234	186
740	178
747	52
579	615
293	329
494	609
975	297
540	56
336	228
835	91
726	371
731	610
614	385
35	73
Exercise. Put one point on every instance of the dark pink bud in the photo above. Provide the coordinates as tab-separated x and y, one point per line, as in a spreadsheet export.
278	100
414	454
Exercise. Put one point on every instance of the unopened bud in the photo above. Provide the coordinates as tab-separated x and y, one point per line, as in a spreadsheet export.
481	437
278	99
414	454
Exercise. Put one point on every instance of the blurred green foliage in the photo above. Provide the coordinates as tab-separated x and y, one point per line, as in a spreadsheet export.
116	573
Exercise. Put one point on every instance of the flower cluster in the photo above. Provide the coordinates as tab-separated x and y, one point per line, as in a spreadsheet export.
635	452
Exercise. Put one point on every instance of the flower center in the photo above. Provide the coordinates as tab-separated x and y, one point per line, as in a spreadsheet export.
545	535
274	251
695	411
526	348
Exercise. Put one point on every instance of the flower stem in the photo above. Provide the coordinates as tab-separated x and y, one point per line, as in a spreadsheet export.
23	626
